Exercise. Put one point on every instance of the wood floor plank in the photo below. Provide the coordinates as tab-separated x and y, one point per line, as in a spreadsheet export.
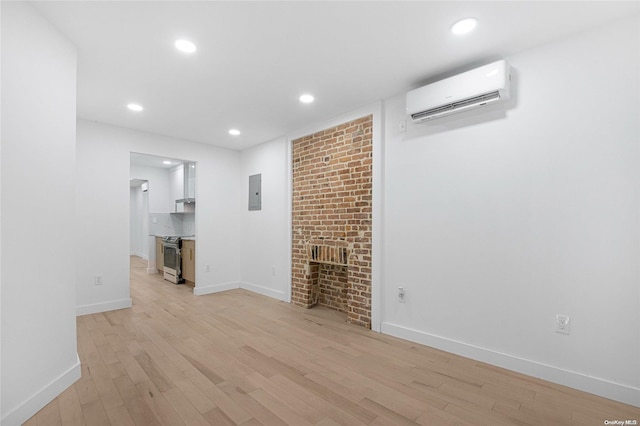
387	415
149	365
70	408
140	412
239	358
257	410
120	416
221	399
86	388
278	408
157	404
216	416
331	411
50	414
184	408
195	396
441	418
292	401
94	414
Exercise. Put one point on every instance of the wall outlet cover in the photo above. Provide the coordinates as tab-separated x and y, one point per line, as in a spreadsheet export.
563	324
402	295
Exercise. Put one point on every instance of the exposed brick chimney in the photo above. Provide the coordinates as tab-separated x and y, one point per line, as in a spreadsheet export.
332	194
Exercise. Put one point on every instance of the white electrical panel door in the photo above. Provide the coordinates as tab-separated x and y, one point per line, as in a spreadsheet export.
255	192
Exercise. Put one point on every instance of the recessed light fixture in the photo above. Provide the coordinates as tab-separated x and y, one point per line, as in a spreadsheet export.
463	26
306	98
135	107
185	46
234	132
167	162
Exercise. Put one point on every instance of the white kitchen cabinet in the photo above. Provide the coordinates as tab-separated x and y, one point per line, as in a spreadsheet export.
190	176
176	182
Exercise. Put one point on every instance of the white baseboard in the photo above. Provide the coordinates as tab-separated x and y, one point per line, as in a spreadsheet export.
216	288
151	271
265	291
139	254
619	392
31	406
103	307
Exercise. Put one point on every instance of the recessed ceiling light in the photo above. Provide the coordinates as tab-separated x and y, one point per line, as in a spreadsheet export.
135	107
464	26
167	162
234	132
306	98
185	46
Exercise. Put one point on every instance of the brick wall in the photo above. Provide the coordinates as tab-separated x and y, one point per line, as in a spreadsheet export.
332	193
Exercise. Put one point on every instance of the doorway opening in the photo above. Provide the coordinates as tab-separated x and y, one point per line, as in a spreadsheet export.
163	204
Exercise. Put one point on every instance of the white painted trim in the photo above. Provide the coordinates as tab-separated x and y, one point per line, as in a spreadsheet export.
265	291
151	271
40	399
215	288
289	254
601	387
139	254
95	308
377	217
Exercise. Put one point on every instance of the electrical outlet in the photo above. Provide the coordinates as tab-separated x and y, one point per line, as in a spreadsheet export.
98	280
563	324
207	268
273	271
402	126
402	295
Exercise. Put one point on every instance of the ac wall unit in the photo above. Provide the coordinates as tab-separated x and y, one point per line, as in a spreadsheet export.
472	89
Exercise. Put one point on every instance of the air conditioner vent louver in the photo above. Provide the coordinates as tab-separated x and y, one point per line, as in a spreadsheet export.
462	92
476	100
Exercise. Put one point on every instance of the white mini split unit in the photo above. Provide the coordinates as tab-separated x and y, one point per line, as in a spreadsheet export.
469	90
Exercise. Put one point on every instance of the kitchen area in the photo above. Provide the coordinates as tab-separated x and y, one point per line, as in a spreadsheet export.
163	210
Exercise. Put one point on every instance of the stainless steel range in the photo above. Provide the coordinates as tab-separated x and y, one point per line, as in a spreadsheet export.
172	263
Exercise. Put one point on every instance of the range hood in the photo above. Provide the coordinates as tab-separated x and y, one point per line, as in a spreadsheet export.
187	204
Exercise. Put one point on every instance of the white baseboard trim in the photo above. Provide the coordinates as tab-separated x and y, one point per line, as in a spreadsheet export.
139	254
103	307
601	387
215	288
31	406
265	291
151	271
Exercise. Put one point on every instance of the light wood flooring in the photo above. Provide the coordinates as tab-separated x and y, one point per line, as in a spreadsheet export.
237	358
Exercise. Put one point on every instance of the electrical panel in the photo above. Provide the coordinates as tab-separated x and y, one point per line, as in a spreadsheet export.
255	192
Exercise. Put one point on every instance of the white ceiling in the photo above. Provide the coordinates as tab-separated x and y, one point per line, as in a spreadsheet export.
255	58
146	160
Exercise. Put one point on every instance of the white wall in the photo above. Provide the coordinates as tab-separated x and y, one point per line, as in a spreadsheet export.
39	357
264	236
138	224
156	200
494	227
159	194
103	172
0	217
